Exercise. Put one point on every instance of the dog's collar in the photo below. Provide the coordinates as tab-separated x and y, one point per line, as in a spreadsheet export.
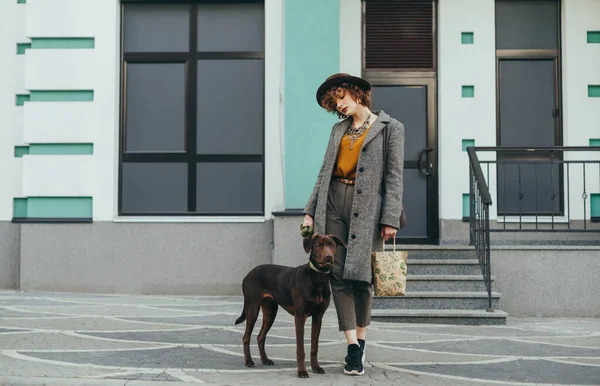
316	269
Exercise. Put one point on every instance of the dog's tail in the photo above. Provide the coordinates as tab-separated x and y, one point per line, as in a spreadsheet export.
242	317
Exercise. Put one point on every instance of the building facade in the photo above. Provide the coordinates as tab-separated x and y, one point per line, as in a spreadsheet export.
169	147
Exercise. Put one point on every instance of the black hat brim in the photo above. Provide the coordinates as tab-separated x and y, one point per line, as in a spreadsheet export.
338	80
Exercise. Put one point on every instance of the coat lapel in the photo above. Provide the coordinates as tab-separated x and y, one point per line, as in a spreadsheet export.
339	133
378	125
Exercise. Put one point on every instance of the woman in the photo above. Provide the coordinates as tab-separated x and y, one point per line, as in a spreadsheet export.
347	202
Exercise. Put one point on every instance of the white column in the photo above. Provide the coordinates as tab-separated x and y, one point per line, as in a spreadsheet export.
274	146
351	36
581	114
464	118
12	20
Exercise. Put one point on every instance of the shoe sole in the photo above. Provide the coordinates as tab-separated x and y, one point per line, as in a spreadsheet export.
354	372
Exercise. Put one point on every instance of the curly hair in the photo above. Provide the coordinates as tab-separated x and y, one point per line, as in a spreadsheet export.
329	100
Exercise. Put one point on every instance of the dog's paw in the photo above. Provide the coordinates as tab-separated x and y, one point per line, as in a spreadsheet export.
318	370
249	363
302	374
268	362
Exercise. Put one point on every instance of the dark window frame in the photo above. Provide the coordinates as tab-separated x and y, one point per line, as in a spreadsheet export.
189	155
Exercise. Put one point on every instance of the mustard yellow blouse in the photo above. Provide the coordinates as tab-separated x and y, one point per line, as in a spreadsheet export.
347	159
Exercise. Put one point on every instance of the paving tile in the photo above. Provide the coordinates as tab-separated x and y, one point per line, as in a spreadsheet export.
195	336
60	341
15	301
503	347
478	331
97	323
223	319
582	341
535	371
8	330
146	377
176	357
7	313
114	335
32	368
108	310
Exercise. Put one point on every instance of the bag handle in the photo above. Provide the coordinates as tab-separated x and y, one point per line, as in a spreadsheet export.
383	244
383	189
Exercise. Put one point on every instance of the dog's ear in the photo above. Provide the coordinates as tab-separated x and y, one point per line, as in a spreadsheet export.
338	241
308	242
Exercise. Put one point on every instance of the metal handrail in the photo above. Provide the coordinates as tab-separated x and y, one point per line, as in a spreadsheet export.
535	148
482	185
480	198
479	222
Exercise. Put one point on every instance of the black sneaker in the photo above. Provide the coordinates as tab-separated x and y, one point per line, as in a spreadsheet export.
362	345
354	363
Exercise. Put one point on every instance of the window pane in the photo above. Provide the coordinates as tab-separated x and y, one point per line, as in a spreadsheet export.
230	106
156	28
527	24
229	187
230	27
154	188
155	107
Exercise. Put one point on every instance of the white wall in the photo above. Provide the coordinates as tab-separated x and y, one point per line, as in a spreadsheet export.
351	36
12	20
39	122
581	114
274	134
464	118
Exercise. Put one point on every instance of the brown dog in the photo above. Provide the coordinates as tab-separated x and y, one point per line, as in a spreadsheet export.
302	291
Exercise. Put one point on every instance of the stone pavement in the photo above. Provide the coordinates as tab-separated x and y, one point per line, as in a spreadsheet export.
81	339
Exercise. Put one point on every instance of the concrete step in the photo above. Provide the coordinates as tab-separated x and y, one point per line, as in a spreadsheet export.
429	252
461	283
464	317
443	267
437	300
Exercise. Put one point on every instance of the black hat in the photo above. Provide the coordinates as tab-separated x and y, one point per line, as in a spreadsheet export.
338	79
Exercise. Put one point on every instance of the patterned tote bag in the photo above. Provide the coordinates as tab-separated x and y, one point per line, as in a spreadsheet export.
389	272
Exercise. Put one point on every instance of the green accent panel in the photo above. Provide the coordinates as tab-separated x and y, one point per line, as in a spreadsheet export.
466	207
468	91
594	141
311	55
59	207
593	36
20	207
22	98
595	204
466	143
21	47
20	150
41	43
467	38
594	91
21	1
61	148
62	95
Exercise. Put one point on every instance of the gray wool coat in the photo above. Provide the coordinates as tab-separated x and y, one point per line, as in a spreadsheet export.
373	209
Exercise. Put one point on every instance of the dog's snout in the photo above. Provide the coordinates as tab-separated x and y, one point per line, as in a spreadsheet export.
328	258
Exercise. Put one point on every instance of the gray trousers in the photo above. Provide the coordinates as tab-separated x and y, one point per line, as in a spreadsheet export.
353	299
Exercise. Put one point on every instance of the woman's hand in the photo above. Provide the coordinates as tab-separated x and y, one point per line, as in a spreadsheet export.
388	232
308	221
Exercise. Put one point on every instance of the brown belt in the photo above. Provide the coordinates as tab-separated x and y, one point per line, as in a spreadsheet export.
344	180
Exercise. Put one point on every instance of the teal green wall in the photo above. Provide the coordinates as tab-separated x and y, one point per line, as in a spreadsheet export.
311	55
